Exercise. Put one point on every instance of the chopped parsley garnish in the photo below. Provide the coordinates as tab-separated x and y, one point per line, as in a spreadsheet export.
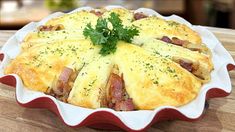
108	38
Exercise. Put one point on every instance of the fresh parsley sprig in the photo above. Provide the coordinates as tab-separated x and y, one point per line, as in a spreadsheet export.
108	38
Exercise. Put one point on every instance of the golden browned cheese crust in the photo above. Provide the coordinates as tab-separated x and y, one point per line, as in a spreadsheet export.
153	81
89	87
151	74
154	27
76	20
125	15
41	65
173	52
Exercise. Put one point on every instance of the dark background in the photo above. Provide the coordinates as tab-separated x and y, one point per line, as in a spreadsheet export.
14	14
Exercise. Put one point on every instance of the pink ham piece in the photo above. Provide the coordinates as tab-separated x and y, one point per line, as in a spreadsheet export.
177	41
97	13
50	27
186	44
186	65
116	88
65	74
166	39
117	94
45	28
174	41
125	105
62	86
138	16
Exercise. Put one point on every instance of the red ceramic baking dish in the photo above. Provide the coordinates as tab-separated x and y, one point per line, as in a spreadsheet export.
105	118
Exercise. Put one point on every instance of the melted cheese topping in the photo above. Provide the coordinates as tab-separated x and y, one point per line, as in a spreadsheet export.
151	78
125	15
154	27
154	81
76	20
170	51
35	38
89	87
42	64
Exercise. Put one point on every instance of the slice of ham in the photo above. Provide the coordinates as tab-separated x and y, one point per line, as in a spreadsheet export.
186	65
139	15
174	40
116	97
186	44
97	13
166	39
50	27
63	86
191	66
65	74
177	41
125	105
116	88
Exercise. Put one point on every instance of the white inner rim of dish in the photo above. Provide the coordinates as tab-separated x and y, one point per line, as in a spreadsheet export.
135	120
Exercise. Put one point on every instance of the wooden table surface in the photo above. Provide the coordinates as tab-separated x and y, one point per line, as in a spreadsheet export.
219	117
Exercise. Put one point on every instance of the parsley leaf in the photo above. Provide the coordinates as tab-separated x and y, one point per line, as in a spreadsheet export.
127	34
95	36
110	46
108	38
115	20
